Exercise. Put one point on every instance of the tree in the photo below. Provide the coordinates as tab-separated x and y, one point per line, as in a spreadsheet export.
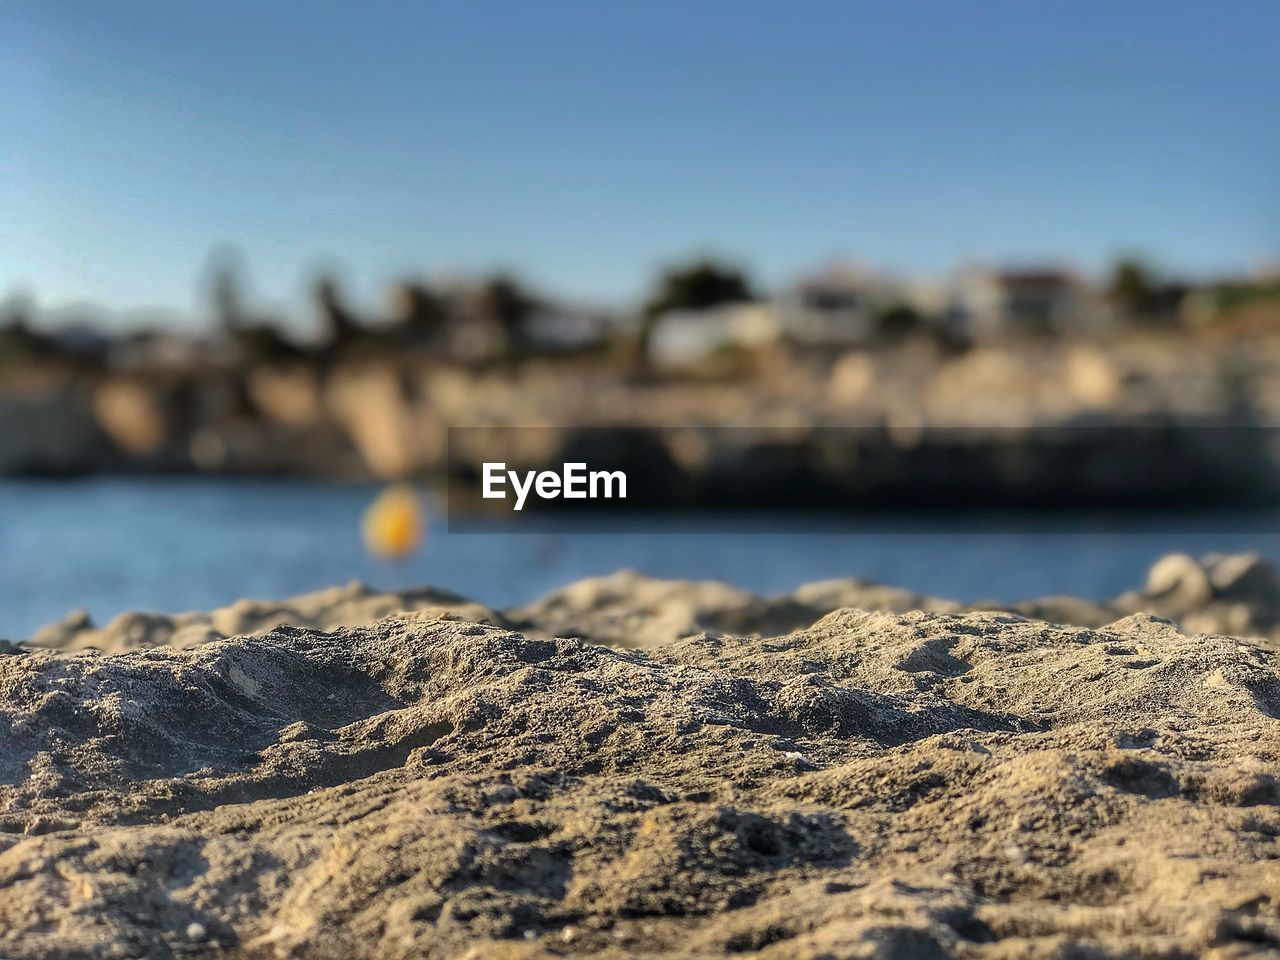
699	285
418	313
898	322
258	337
227	302
1140	295
505	303
1131	289
19	340
341	327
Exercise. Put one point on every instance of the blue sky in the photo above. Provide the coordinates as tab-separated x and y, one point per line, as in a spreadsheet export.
584	143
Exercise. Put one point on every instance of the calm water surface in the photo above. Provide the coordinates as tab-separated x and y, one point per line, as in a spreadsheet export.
109	545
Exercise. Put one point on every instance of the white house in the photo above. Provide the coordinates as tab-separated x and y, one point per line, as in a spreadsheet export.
985	303
836	306
687	336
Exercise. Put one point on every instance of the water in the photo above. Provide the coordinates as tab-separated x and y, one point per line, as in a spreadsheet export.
109	545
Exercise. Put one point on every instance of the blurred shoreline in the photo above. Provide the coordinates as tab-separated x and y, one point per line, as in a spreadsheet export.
795	428
858	388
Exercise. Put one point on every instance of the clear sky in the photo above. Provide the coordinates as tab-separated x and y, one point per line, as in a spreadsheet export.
583	142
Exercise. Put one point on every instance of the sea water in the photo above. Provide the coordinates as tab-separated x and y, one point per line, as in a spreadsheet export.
108	545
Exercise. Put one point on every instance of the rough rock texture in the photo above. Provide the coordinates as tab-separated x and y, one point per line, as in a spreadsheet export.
877	785
1229	594
623	609
634	610
351	605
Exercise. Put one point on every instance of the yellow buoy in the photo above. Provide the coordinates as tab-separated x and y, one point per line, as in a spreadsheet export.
393	523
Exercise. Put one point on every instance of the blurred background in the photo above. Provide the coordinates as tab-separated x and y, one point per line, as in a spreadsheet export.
256	260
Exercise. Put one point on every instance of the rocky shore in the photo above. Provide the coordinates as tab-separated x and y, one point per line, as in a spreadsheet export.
632	767
1136	422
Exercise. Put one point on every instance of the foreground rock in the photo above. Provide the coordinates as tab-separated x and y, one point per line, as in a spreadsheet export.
887	785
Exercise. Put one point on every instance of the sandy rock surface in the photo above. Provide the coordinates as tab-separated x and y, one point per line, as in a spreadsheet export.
876	785
353	604
630	609
1235	594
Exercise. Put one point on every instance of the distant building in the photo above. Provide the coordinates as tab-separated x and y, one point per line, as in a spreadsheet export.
984	304
556	328
836	306
687	336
